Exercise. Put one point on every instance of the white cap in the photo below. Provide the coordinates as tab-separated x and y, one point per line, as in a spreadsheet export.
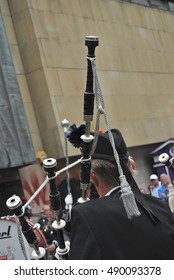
153	177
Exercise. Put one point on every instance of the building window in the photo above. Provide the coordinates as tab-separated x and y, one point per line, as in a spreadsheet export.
171	6
160	4
164	5
141	2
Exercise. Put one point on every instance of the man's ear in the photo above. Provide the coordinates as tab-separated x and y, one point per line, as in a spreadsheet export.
132	166
94	179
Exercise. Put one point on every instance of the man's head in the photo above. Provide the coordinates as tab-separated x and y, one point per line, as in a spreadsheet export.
154	179
46	210
104	169
164	179
104	176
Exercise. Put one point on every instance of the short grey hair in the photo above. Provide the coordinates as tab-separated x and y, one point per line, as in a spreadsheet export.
163	175
106	170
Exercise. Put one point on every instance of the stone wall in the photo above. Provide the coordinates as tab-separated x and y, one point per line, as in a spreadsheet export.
135	64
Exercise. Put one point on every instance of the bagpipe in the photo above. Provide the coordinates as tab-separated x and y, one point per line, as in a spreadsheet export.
27	232
82	138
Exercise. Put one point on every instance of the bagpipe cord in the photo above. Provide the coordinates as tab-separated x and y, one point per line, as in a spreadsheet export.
127	194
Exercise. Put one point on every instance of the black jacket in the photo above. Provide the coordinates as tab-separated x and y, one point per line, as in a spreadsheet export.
101	230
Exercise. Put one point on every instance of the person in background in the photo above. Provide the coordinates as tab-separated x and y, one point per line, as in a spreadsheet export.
45	225
154	185
163	191
45	222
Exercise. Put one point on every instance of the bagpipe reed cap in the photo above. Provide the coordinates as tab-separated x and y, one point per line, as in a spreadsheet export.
49	163
163	158
87	139
91	38
13	202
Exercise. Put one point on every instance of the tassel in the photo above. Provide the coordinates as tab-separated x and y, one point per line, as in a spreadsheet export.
171	198
128	198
